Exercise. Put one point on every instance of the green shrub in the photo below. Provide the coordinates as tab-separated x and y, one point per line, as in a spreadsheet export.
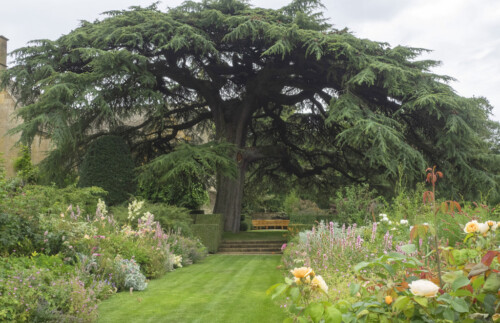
191	250
18	234
44	289
191	196
243	226
355	204
108	164
20	227
24	168
35	199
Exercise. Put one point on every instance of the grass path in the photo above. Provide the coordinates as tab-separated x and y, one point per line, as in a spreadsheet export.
222	288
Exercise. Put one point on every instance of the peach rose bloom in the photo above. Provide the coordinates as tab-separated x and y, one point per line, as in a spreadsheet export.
388	300
302	272
423	287
471	227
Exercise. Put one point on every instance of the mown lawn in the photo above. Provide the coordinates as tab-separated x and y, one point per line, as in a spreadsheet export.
256	235
223	288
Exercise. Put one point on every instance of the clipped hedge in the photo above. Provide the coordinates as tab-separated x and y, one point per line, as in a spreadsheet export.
209	234
209	228
209	219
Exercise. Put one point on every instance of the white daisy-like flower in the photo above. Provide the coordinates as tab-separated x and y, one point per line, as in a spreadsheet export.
403	222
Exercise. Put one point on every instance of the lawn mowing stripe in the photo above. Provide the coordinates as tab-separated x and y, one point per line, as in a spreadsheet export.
220	289
228	285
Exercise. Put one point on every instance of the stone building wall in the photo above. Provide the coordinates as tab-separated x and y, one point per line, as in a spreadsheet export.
8	150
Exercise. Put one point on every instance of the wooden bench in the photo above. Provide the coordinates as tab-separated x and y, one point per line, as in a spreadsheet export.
266	224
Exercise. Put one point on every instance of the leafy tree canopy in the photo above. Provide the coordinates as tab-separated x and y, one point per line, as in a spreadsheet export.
291	91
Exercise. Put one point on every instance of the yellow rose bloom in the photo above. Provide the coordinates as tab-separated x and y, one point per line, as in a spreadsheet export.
388	300
302	272
319	282
471	227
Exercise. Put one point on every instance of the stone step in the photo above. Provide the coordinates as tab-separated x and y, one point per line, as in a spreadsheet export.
253	242
263	249
252	245
249	253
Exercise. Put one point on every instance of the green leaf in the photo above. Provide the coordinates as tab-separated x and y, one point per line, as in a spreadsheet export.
460	282
315	311
478	282
354	289
492	284
279	290
449	314
363	313
460	305
409	310
343	306
333	315
421	300
445	298
401	303
451	276
361	265
272	288
409	248
462	293
294	293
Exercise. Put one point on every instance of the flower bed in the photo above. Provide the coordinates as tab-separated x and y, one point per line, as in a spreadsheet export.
82	259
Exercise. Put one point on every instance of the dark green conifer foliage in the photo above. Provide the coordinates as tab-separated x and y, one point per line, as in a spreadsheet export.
108	164
292	93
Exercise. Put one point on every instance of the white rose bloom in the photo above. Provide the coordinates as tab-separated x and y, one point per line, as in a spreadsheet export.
483	227
424	287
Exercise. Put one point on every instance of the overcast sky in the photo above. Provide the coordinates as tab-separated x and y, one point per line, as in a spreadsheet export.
463	34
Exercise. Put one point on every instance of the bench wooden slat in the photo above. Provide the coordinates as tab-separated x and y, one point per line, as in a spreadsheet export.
270	223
